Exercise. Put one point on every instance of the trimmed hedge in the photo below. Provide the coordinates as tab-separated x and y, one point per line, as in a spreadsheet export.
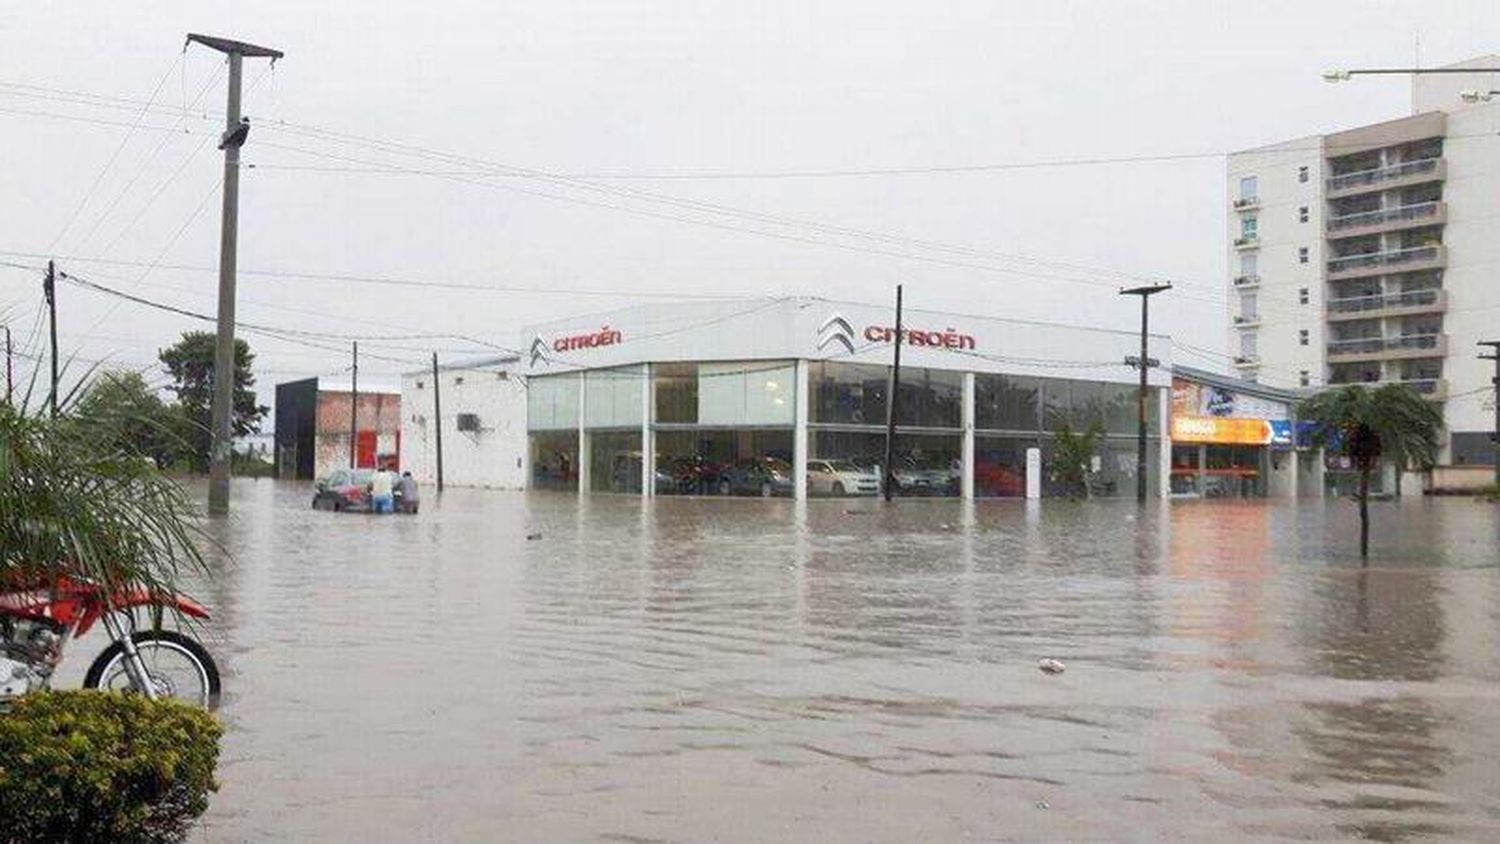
104	766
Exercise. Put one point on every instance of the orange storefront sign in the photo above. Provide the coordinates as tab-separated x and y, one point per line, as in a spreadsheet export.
1220	430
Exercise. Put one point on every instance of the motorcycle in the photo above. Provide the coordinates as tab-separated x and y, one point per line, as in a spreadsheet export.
36	624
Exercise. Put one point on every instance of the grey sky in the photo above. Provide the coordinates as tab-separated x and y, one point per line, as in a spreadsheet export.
671	88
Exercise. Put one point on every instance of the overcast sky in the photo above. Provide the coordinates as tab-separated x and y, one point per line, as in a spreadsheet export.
598	91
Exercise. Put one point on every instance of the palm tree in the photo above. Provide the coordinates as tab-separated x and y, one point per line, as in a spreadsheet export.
1392	421
75	503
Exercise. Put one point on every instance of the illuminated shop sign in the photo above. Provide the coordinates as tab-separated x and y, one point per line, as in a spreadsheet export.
1219	430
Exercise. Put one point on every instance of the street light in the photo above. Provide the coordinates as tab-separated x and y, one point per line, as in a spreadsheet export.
1345	75
1145	291
1476	96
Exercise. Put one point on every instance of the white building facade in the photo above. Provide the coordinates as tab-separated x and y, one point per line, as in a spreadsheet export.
1369	256
743	397
481	409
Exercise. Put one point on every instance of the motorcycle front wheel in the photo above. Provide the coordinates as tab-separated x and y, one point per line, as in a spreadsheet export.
178	666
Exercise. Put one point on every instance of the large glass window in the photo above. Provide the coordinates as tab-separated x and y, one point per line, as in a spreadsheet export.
1232	471
554	460
724	462
930	398
552	402
746	393
925	464
614	397
1186	469
1006	402
1000	466
615	461
676	387
848	393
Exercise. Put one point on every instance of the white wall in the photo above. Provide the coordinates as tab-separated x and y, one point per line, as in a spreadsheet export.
1472	279
1282	233
493	457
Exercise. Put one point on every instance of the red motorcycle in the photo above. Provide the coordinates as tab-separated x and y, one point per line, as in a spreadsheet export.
36	623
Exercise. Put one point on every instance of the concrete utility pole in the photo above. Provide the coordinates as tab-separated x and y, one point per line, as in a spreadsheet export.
1145	363
235	132
1494	346
890	407
354	410
437	419
49	288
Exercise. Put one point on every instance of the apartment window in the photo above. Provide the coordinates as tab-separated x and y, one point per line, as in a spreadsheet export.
1302	174
1302	254
1303	379
1302	337
1248	306
1248	344
1302	296
1302	214
1248	187
1249	226
1248	263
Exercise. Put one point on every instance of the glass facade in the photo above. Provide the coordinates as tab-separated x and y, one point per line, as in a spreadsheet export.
728	427
1218	471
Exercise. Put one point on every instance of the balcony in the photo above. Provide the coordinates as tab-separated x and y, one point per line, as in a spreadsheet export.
1409	303
1389	219
1248	203
1388	348
1386	178
1378	263
1434	389
1247	321
1249	241
1244	282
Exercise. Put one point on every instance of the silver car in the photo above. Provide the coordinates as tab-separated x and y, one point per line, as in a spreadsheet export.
840	477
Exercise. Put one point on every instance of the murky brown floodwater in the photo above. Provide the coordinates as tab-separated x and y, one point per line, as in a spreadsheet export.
732	670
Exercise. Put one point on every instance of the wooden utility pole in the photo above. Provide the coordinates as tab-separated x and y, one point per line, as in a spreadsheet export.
890	406
1494	346
437	419
354	409
235	133
1141	464
49	288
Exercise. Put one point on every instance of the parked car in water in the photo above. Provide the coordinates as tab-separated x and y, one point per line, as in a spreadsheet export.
763	476
344	490
998	480
840	477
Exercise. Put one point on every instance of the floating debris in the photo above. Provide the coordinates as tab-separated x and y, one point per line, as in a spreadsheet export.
533	536
1051	666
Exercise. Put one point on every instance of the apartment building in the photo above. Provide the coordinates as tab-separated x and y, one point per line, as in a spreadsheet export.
1372	255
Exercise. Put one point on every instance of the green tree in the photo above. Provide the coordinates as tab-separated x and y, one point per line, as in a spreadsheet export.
191	365
1364	425
123	414
1073	455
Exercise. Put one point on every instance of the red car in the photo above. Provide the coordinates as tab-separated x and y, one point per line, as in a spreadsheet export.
344	490
993	479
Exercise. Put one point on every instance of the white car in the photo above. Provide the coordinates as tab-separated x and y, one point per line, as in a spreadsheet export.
840	477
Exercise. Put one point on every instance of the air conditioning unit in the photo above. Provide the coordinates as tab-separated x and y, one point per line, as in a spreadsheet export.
468	422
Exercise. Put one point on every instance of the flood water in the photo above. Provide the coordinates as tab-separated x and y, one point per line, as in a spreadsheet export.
734	670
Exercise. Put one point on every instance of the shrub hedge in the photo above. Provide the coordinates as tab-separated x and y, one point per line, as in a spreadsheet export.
103	766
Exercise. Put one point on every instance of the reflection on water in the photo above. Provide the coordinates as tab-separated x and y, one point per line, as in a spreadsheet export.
707	669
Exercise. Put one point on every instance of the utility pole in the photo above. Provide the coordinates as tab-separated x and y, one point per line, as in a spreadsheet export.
235	133
1494	346
49	288
354	409
9	371
890	406
1145	363
437	419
